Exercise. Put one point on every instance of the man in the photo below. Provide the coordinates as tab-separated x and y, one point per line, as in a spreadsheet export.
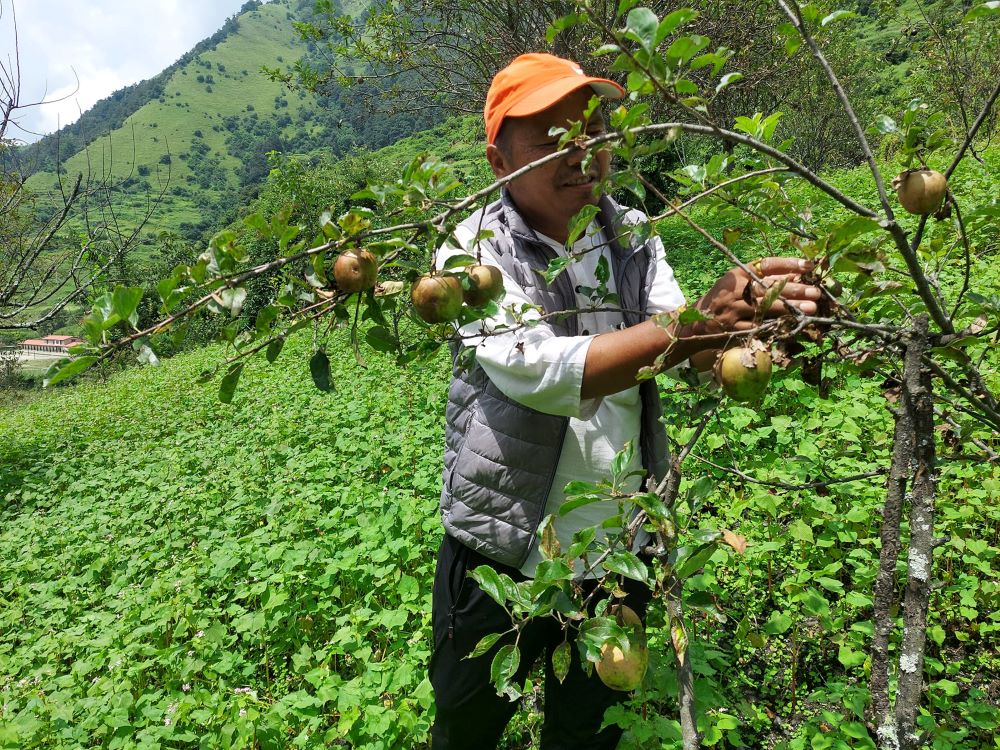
552	402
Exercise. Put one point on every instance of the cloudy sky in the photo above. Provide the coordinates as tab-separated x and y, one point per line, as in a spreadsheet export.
107	43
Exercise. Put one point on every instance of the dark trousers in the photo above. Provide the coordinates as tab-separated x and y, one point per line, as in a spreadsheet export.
470	714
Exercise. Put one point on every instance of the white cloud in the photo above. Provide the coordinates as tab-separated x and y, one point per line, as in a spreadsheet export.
108	43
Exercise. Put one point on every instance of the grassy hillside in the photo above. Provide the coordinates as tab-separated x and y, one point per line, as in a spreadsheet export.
207	573
202	138
179	141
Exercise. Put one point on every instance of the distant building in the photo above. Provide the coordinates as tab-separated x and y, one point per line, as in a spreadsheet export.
50	346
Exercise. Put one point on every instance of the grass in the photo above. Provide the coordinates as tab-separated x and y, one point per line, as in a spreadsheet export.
167	126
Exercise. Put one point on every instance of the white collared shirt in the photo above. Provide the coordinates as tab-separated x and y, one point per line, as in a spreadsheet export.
537	368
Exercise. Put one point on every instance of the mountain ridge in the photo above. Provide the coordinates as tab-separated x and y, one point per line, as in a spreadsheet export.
195	137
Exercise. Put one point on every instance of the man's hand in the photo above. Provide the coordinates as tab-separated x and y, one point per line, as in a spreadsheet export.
732	304
615	357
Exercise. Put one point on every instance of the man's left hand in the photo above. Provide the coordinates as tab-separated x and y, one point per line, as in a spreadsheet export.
726	302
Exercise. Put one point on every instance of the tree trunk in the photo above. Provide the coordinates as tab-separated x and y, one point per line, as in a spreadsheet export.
673	590
918	585
685	674
912	459
885	579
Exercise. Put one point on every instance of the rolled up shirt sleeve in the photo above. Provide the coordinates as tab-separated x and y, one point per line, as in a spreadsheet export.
528	363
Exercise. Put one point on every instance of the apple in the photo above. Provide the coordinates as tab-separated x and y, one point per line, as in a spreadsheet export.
920	191
437	298
485	284
617	669
355	271
744	371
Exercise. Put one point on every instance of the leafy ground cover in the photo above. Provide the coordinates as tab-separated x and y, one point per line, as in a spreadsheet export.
180	573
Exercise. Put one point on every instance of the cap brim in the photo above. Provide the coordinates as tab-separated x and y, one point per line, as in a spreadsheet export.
555	90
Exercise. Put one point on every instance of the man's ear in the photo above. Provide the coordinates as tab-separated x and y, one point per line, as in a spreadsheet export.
497	160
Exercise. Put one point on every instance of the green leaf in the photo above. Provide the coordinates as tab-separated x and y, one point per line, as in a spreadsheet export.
274	349
491	584
581	488
624	5
850	230
769	125
57	374
726	80
125	301
801	531
579	223
228	385
484	645
593	634
319	368
831	584
548	572
695	561
556	266
578	501
699	491
582	540
849	657
856	730
683	48
503	669
627	564
623	459
459	261
837	15
380	339
653	505
258	222
683	86
991	8
672	21
777	623
947	687
561	658
643	23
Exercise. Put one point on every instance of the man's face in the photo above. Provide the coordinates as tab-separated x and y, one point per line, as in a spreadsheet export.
548	197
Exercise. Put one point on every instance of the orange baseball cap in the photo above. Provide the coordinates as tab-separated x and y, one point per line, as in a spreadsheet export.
534	82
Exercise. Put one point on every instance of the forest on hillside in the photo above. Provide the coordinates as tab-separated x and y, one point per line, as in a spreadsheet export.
227	537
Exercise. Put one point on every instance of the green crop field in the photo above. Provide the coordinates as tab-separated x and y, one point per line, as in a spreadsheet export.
180	573
198	570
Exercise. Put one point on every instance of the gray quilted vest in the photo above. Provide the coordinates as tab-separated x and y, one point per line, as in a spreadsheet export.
500	456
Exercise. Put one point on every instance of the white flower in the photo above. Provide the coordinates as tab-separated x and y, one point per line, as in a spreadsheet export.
243	712
186	686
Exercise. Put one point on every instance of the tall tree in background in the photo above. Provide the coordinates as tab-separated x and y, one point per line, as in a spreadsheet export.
411	54
42	268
